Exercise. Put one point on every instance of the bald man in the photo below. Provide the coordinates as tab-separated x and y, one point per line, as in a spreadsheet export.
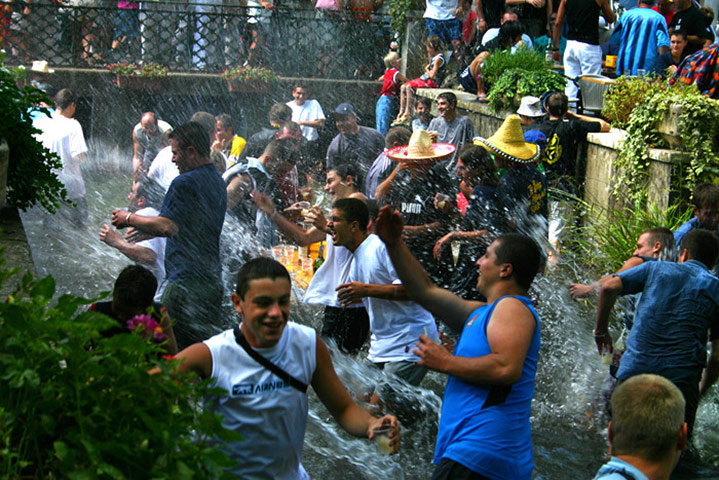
148	138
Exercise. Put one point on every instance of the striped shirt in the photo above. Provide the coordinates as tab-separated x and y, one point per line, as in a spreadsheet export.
641	32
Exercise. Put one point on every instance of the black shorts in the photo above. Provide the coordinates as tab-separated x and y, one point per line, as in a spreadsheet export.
451	470
349	327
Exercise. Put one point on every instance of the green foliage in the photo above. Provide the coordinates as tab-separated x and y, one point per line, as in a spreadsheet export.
76	405
398	16
31	179
699	124
250	74
516	83
500	61
510	76
625	95
609	237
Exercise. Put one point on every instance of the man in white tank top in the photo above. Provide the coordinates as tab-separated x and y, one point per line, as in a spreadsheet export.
269	412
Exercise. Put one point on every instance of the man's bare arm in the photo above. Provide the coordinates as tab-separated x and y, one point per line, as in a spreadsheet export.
608	294
354	292
711	371
153	226
238	188
136	253
442	303
509	333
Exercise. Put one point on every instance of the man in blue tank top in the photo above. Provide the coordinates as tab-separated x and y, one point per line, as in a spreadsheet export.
484	430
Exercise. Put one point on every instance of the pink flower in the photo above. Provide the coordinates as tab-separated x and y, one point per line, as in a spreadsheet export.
145	326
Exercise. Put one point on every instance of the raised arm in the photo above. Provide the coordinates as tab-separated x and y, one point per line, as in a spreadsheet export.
136	253
153	226
355	420
442	303
509	334
299	235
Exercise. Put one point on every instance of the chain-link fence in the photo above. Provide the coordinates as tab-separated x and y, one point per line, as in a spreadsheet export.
197	37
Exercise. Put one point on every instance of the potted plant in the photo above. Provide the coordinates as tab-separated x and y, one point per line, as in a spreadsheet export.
249	79
510	76
146	76
625	95
31	177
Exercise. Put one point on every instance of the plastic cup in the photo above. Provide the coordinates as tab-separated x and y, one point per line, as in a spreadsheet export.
381	439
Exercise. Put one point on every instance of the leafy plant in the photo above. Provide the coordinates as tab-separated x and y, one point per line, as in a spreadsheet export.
625	95
74	404
122	68
250	74
398	11
699	124
516	83
609	237
31	172
500	61
149	69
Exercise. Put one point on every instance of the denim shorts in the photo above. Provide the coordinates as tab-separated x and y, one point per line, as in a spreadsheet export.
446	30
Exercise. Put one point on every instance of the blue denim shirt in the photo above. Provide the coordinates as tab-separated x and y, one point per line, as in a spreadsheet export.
679	304
609	471
686	227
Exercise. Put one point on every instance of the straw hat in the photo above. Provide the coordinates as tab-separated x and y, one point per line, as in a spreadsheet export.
40	66
421	148
508	142
530	107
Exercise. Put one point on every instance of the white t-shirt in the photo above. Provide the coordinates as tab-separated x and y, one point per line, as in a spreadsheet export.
309	111
395	326
492	33
73	128
157	245
57	140
162	170
270	414
334	272
441	9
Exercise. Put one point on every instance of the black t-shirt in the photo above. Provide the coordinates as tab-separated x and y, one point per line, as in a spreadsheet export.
691	21
583	21
524	185
493	11
414	198
564	170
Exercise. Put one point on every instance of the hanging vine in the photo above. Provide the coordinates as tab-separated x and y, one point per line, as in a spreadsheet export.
398	16
698	128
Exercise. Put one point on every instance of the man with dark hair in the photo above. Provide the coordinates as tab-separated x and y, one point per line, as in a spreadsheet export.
647	432
642	36
394	322
226	142
207	120
423	114
669	335
270	410
583	54
354	143
264	175
668	62
492	370
706	211
278	115
307	113
144	199
383	170
565	131
451	127
192	216
689	19
149	136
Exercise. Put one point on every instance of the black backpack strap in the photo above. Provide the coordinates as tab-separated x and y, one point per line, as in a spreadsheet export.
292	381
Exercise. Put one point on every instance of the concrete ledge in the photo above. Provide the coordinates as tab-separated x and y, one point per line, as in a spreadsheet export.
15	249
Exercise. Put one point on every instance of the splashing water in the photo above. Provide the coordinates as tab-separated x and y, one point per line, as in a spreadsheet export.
568	423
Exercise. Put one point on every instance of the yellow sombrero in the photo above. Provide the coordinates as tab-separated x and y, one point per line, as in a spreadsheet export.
421	148
508	142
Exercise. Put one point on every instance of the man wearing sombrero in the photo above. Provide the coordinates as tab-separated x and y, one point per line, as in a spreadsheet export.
523	188
418	180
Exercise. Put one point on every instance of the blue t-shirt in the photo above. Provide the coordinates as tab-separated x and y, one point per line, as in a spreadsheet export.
611	469
196	201
686	227
486	428
679	304
640	32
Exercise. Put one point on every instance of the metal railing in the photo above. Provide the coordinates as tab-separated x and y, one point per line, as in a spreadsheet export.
197	37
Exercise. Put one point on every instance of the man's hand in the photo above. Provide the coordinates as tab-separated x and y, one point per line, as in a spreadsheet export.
119	218
443	203
389	226
604	341
557	56
263	202
441	243
579	290
433	355
352	292
134	235
384	422
218	145
317	218
110	236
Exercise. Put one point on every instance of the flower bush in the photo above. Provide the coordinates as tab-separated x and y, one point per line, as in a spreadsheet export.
250	74
149	69
146	327
122	68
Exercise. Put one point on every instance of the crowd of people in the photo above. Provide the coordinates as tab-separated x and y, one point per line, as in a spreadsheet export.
433	233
